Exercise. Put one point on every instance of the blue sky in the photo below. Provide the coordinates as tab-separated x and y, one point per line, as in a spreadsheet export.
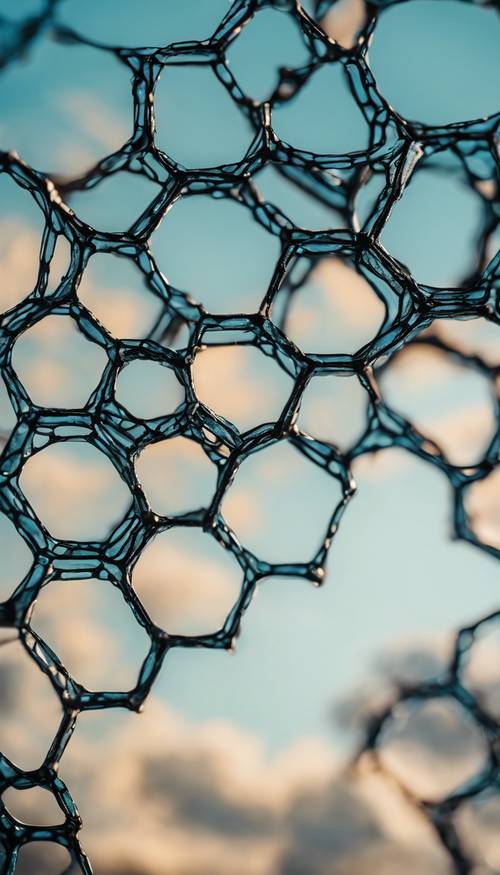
393	572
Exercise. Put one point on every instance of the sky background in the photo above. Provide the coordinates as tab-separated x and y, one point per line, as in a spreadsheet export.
432	592
394	576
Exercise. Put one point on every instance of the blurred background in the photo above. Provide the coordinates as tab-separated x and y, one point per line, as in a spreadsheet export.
239	761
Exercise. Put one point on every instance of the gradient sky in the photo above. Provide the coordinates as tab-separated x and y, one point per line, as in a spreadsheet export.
393	573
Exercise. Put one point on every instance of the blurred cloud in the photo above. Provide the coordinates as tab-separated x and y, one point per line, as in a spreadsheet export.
206	799
164	796
447	401
344	20
95	117
335	310
187	581
241	384
75	490
30	709
19	248
483	506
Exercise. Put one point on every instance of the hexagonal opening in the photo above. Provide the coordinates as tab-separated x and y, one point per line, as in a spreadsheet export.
75	490
241	384
176	475
16	558
31	711
93	631
280	503
116	202
305	124
482	504
335	311
44	858
65	127
114	289
433	228
187	582
447	32
21	228
48	360
449	403
225	276
333	409
198	123
432	747
275	40
148	389
35	805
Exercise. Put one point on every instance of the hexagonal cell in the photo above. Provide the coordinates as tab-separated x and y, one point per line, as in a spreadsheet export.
48	360
44	858
448	216
432	747
241	384
302	209
141	26
148	389
93	631
448	402
114	289
176	475
16	558
36	806
21	228
336	310
116	202
471	337
75	490
280	504
333	409
64	127
198	123
275	40
225	276
447	91
187	582
482	503
31	711
343	21
304	123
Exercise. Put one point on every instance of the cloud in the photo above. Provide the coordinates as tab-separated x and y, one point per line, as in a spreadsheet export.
208	799
343	21
94	118
19	248
483	507
162	796
447	401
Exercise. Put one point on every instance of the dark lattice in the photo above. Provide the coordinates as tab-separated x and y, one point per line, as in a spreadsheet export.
397	149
